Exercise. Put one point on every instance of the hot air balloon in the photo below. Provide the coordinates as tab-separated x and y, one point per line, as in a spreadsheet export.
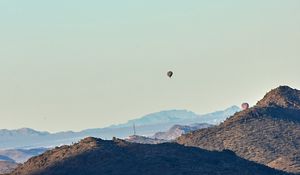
245	106
170	74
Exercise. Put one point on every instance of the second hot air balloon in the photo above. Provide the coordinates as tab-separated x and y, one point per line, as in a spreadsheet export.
245	106
170	74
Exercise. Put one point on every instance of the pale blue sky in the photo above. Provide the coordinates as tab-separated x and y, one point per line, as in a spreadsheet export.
67	65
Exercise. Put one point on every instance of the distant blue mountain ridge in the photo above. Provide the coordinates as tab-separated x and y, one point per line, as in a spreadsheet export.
184	116
22	132
147	125
161	117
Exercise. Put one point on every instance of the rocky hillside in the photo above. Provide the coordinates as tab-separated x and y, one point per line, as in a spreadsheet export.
169	136
283	96
177	130
268	133
95	156
144	140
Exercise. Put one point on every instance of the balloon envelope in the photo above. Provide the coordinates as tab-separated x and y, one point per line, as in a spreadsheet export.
245	106
170	74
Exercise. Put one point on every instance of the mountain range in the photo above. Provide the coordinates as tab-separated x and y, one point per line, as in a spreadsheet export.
169	136
177	130
161	117
261	140
268	133
7	166
21	155
10	159
27	138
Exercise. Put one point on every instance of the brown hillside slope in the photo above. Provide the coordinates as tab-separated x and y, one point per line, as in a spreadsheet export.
268	133
94	156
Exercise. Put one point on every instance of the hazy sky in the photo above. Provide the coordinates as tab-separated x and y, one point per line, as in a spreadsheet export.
72	65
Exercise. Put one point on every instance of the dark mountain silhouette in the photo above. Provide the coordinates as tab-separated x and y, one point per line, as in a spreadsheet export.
268	133
93	156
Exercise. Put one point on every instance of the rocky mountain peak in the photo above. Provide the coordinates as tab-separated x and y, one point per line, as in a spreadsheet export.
267	133
283	96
